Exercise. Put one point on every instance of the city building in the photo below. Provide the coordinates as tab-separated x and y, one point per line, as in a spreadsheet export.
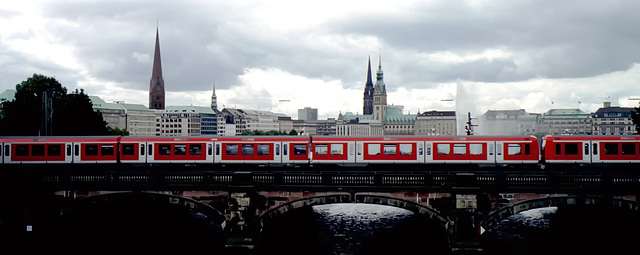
434	123
613	120
249	120
508	122
112	113
156	85
6	96
308	113
189	121
565	122
315	127
382	118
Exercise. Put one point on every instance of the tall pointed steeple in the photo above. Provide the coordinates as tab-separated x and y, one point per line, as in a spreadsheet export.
156	86
368	93
379	78
380	96
214	99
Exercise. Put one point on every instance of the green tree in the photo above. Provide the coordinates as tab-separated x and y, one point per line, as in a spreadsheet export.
635	117
43	107
293	132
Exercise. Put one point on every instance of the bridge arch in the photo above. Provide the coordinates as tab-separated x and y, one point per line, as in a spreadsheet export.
509	210
356	198
207	211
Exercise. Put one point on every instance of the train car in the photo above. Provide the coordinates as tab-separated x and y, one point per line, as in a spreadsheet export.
34	150
262	149
167	149
391	149
482	150
591	149
333	149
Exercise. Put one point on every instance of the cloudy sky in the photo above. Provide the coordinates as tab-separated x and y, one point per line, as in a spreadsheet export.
284	55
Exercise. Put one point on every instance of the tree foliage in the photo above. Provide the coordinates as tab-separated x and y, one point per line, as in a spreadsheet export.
66	114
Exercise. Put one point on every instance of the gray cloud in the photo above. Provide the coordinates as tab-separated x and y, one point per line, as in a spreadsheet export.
203	43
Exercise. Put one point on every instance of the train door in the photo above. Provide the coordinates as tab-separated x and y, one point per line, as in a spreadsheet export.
498	152
428	155
586	152
491	151
595	152
68	152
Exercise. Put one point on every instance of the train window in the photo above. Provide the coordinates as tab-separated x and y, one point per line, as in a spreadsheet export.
247	149
406	149
217	149
389	149
350	149
558	149
106	149
141	149
263	149
76	149
321	149
37	150
459	149
428	149
180	149
209	149
491	149
475	149
195	149
284	151
337	149
571	149
164	149
611	148
299	149
53	150
232	149
444	149
628	149
514	149
595	149
527	149
68	149
150	152
373	149
22	150
420	149
6	150
586	149
91	150
128	149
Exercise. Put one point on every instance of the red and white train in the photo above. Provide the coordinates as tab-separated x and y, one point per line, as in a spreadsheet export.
321	150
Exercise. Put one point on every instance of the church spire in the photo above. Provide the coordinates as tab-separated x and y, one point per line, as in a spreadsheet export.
379	78
156	86
214	99
368	92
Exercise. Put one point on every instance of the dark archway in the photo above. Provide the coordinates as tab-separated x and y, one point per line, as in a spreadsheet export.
509	210
138	223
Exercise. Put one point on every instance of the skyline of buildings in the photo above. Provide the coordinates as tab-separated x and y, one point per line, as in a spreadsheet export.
378	118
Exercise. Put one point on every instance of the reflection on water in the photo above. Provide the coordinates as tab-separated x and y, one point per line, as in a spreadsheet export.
353	229
566	230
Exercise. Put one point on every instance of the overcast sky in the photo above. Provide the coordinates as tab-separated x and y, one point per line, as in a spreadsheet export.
285	55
